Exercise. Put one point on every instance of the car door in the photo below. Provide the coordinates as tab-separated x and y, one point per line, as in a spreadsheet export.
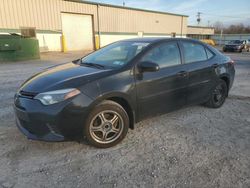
197	59
164	90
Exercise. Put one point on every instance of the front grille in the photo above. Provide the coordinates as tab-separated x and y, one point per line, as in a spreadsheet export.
233	46
26	94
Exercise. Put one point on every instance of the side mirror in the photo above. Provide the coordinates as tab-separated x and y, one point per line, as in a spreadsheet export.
76	61
147	66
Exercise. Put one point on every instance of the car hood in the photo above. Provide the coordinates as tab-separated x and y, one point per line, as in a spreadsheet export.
68	75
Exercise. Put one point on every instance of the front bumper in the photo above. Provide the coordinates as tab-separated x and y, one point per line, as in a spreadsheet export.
231	49
57	122
49	136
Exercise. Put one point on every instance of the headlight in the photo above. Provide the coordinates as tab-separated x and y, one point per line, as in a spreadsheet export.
56	96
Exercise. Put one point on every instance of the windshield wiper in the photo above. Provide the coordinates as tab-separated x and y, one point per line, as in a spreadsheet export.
93	65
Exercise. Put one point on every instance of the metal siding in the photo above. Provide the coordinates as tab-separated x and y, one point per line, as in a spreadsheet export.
50	14
134	21
184	25
46	15
80	8
5	13
24	14
27	11
1	15
42	14
10	15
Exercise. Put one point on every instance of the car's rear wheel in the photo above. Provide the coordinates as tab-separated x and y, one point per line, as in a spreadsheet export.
106	125
218	95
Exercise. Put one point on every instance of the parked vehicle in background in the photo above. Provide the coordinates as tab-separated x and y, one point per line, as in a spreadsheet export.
102	95
235	46
247	45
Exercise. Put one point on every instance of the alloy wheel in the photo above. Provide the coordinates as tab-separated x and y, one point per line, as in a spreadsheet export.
106	127
219	94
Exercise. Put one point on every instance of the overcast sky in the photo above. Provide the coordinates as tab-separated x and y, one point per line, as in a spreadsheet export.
226	11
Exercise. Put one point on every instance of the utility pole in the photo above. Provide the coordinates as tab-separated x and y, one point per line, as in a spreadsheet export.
198	17
221	35
123	3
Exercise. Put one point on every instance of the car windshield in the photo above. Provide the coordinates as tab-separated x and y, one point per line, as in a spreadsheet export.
235	42
115	55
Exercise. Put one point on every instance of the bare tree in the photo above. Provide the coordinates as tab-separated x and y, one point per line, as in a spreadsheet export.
218	26
232	29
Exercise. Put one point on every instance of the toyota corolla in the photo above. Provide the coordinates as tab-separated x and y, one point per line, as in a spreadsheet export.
100	96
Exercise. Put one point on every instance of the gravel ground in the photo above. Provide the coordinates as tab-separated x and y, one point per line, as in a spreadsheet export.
192	147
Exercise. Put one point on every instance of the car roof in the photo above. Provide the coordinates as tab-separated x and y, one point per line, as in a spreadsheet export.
157	39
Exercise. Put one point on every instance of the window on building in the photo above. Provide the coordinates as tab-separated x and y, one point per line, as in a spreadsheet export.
173	35
29	32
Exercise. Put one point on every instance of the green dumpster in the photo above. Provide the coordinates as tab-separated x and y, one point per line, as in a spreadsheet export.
16	48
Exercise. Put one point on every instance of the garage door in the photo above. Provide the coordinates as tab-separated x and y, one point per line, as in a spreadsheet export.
78	31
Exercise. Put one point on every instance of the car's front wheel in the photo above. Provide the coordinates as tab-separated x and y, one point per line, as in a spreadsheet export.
218	95
107	125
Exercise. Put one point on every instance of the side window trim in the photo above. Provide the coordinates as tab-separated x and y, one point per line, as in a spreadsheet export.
181	52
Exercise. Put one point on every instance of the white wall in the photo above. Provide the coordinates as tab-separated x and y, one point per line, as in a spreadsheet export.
52	41
49	42
106	39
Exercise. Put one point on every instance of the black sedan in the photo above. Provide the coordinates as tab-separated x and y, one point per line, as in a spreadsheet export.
234	46
102	95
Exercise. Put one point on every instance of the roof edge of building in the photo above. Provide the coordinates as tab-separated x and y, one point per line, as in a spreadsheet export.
124	7
206	27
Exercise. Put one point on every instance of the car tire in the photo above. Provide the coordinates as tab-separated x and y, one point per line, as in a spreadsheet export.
218	95
106	125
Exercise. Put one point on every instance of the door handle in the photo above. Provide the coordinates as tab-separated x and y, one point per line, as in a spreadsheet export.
216	65
182	74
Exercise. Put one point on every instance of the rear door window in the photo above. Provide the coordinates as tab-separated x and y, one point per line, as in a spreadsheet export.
193	52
